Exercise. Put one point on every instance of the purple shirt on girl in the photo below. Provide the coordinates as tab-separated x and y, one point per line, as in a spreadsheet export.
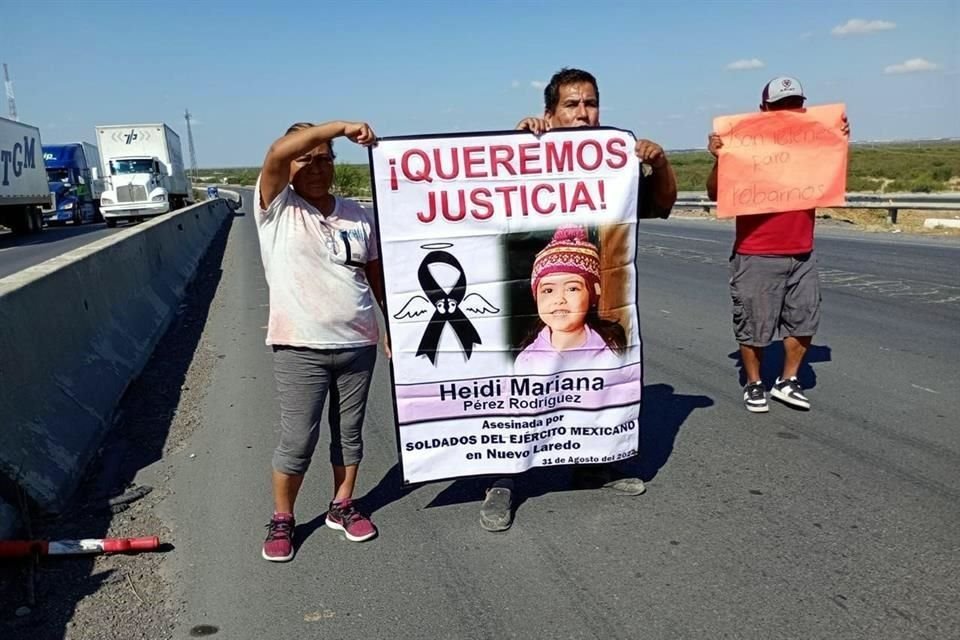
541	358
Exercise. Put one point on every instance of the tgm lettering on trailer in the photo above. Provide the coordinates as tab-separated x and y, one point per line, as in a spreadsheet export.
20	157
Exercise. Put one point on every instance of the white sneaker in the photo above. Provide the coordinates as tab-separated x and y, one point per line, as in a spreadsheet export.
790	392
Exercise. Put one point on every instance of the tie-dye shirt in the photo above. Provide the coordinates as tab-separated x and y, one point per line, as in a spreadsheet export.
314	264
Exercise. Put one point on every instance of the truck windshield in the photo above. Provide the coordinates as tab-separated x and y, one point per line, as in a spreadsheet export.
144	165
58	175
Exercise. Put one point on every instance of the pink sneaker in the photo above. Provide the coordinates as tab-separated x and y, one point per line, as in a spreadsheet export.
278	547
345	517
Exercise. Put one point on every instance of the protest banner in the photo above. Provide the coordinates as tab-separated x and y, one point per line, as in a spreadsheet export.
511	298
781	161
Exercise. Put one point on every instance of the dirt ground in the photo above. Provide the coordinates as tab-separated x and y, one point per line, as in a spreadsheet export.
121	597
875	220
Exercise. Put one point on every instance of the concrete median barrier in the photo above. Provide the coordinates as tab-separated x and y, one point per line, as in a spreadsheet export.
76	330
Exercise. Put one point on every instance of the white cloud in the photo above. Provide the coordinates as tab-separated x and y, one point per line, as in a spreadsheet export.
913	65
675	116
538	84
515	84
806	35
856	26
741	65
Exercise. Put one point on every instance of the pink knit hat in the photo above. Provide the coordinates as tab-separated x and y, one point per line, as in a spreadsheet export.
569	252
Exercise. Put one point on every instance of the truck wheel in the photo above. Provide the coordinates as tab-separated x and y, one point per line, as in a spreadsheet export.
36	220
111	223
97	214
20	221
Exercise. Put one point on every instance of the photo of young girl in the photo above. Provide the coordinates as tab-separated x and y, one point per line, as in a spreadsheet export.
569	333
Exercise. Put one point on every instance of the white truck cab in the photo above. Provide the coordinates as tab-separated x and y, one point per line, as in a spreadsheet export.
137	188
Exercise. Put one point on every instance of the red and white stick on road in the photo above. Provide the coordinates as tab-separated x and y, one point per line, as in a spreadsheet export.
23	548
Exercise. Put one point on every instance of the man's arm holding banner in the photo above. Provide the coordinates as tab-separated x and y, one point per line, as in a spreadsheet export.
658	199
661	193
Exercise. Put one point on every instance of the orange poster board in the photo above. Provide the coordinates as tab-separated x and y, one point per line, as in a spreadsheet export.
781	161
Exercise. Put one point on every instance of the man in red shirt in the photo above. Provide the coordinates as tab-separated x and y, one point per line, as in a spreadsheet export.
773	277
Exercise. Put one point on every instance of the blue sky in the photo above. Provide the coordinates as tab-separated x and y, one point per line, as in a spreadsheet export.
247	72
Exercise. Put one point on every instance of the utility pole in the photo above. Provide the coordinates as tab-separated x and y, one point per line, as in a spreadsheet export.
11	102
193	150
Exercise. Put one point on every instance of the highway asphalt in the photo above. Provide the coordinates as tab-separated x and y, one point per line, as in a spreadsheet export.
837	523
20	252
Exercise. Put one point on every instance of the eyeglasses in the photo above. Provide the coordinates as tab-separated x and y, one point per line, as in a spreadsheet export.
322	158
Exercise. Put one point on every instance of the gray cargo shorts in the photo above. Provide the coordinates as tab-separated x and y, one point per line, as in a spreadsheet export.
774	293
304	377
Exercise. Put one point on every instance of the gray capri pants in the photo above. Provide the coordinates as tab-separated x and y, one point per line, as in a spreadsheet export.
772	293
304	376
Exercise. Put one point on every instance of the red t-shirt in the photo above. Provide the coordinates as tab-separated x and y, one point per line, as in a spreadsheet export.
775	234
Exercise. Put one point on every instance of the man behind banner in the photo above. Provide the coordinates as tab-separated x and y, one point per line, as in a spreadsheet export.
773	276
572	99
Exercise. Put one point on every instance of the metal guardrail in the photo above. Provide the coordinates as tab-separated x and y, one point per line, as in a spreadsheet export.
233	198
891	202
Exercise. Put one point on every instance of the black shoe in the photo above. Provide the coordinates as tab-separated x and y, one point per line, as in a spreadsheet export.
496	512
755	398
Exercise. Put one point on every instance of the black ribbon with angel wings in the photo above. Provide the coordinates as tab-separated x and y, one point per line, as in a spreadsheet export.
447	308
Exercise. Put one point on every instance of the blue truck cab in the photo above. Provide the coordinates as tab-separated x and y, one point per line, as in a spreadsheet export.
72	175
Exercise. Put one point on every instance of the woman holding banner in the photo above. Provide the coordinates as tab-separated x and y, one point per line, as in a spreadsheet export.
321	263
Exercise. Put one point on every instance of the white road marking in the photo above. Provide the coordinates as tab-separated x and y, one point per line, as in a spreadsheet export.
916	386
670	235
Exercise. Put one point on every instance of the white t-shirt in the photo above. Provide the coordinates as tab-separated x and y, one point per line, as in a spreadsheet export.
314	264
